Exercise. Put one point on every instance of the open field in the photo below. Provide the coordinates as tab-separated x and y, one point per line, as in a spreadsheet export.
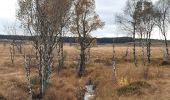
65	86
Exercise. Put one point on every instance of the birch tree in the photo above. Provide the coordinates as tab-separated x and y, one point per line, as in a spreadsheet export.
163	8
146	25
42	20
85	20
64	29
128	21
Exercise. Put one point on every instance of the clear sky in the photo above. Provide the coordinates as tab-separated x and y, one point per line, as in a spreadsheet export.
105	8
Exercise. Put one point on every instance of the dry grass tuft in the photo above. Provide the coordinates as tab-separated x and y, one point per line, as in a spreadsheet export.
2	97
163	63
18	84
133	88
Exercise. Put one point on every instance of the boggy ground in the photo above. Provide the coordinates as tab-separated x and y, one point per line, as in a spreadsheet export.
65	86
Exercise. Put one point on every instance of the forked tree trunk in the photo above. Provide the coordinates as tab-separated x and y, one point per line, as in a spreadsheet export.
143	49
81	66
143	54
45	68
88	55
134	45
149	47
114	62
27	69
61	55
12	53
43	84
39	69
165	40
166	45
43	74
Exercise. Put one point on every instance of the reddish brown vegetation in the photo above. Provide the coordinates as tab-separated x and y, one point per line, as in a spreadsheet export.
65	85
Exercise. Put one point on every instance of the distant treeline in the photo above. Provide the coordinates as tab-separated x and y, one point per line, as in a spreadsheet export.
74	39
15	37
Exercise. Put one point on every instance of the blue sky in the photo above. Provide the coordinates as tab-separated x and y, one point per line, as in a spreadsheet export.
105	8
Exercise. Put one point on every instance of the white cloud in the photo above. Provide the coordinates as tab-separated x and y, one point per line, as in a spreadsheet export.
7	13
7	9
105	8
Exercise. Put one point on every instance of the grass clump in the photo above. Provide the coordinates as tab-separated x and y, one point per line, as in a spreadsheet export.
105	61
73	65
133	88
34	80
163	63
2	97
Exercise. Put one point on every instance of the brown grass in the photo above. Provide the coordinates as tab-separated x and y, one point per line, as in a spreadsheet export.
65	86
134	88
